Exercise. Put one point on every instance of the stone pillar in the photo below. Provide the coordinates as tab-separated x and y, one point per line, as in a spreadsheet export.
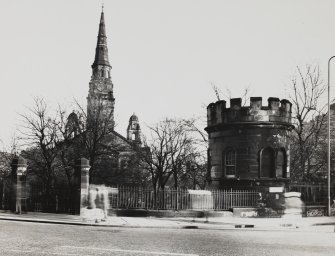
83	167
288	162
18	195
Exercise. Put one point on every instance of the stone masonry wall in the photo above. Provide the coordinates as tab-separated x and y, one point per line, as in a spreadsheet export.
248	131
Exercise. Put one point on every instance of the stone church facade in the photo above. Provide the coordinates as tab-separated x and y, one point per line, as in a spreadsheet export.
100	106
248	145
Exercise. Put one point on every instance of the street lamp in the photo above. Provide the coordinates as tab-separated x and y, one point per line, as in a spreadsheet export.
329	135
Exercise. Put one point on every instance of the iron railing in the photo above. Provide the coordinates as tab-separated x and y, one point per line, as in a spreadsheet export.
180	199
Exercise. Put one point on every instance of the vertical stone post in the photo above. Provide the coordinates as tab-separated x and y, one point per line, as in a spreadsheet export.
288	161
83	167
18	195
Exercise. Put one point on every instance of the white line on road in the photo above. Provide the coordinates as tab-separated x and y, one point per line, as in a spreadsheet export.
48	253
130	251
64	253
19	251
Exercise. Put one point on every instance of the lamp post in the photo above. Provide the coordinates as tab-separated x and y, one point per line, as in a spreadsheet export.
328	162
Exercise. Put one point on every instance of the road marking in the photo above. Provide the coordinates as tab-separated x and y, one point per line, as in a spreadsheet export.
48	253
130	251
63	253
19	251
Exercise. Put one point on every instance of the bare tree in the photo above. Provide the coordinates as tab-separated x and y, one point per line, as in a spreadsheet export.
309	119
40	132
216	90
197	166
195	175
172	148
6	157
179	147
227	95
113	160
95	133
196	126
68	148
162	140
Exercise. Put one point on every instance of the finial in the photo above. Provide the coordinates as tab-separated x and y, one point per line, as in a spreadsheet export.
102	7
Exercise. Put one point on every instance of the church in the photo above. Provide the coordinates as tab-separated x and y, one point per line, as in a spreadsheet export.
100	120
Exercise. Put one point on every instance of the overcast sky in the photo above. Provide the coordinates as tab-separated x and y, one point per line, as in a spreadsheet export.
164	54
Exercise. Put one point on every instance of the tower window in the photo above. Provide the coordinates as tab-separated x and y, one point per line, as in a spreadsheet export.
133	136
281	163
229	160
267	169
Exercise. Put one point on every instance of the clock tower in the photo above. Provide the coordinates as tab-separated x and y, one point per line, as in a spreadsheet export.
100	100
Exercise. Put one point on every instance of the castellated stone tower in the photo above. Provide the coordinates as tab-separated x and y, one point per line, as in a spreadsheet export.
100	100
248	145
134	130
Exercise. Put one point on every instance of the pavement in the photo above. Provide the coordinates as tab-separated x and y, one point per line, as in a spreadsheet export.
214	223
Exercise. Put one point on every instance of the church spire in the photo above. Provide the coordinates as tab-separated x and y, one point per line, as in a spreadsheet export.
100	100
101	51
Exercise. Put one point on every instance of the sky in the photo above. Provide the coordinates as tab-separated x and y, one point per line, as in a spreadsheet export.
166	55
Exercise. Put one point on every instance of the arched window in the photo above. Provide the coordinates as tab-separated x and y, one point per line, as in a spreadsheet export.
281	163
267	169
229	161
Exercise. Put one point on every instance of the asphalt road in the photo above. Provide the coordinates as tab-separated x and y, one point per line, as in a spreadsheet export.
22	238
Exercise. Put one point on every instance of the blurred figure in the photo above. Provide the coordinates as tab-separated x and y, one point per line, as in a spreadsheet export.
92	196
103	200
293	204
293	208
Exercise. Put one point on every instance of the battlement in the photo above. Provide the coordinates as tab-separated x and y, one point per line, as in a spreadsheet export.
277	111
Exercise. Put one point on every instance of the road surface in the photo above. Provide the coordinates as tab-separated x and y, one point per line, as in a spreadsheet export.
22	238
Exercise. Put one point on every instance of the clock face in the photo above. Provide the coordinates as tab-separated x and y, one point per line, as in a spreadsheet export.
100	87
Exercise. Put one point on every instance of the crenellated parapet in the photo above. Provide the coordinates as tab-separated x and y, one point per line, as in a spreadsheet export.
275	112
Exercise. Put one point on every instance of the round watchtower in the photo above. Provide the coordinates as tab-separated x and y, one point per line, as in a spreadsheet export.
248	145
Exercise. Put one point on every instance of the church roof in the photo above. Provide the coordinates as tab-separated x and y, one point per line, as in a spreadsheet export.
121	144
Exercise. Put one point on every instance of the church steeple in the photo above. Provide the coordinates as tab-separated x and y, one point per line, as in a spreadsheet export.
100	100
101	51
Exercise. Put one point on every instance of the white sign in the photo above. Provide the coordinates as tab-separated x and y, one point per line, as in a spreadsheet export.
292	194
199	192
276	189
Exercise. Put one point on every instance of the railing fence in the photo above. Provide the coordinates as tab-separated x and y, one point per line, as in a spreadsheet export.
312	194
180	199
61	199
